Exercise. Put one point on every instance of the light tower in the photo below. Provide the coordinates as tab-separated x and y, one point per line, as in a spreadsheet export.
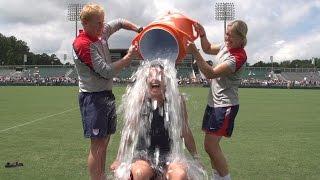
223	12
74	10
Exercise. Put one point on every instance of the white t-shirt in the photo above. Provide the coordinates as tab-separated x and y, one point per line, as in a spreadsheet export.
224	90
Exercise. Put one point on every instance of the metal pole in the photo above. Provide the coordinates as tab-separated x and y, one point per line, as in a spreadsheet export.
314	64
225	26
73	14
225	18
76	21
76	28
223	12
24	61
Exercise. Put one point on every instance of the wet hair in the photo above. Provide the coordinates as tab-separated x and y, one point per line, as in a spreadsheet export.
90	10
156	64
240	28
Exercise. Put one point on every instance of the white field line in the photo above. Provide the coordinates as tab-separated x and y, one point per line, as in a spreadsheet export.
39	119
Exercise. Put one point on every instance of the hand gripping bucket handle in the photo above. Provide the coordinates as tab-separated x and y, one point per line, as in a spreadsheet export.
191	36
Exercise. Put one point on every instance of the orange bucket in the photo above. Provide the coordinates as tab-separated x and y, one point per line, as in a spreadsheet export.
166	38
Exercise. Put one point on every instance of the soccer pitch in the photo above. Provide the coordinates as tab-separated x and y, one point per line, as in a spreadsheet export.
276	133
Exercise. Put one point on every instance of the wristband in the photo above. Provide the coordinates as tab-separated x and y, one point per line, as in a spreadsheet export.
140	29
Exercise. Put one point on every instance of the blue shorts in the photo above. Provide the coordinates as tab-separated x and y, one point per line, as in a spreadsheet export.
98	112
220	120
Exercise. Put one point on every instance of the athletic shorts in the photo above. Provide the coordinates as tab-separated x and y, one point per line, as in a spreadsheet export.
220	120
98	112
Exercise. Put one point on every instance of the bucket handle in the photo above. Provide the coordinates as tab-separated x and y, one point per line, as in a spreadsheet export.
135	41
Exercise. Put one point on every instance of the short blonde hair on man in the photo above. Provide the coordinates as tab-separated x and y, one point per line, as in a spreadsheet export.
241	29
89	10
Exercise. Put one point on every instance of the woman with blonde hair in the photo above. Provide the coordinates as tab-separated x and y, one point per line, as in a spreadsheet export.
223	101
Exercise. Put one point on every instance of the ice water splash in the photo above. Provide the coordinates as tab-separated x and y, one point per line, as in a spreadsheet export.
137	118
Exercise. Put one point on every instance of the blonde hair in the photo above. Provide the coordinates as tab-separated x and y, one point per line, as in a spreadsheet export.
90	10
240	28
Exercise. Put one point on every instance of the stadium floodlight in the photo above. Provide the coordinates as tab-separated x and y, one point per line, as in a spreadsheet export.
313	61
223	12
74	10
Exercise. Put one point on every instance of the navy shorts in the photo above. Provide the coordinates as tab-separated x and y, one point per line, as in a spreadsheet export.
98	111
220	120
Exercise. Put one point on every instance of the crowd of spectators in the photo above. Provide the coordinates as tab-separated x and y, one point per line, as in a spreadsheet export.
278	83
182	81
37	81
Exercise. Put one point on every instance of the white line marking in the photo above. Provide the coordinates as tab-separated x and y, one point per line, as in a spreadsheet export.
39	119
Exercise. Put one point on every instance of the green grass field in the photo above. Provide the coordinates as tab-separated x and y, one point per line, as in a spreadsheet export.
276	136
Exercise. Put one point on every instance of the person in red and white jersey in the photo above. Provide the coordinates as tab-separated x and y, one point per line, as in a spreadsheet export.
95	72
223	101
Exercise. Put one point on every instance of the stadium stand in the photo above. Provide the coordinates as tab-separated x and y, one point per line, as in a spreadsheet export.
184	72
55	71
256	73
279	77
187	74
5	71
301	76
127	72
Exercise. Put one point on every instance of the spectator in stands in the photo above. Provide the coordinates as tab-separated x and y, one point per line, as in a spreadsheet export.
223	101
95	73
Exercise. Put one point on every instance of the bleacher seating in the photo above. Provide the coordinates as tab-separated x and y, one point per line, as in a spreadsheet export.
184	72
127	72
72	74
52	72
300	76
6	71
279	77
256	73
55	71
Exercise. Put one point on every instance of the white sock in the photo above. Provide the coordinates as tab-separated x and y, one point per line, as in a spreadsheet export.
215	175
227	177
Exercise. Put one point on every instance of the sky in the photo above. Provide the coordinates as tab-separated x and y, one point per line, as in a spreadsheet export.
286	29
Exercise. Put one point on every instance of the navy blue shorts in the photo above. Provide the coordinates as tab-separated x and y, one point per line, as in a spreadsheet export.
220	120
98	111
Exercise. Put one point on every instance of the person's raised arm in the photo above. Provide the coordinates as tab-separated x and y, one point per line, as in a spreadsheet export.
115	25
125	61
107	70
208	71
207	47
131	26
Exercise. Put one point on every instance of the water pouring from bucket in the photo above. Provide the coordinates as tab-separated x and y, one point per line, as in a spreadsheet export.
166	38
152	110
